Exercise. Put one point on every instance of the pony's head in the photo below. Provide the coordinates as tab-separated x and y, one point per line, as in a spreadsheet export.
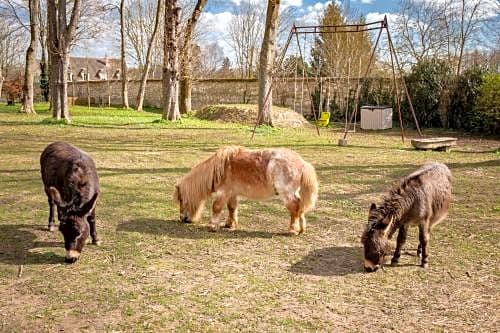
189	211
375	238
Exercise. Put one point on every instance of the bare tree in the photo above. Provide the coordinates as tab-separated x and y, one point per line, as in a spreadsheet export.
185	63
443	28
244	35
462	19
30	65
123	59
60	37
171	62
212	59
266	63
139	25
11	47
145	73
420	28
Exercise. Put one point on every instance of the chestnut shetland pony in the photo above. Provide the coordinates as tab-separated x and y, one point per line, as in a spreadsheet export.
234	172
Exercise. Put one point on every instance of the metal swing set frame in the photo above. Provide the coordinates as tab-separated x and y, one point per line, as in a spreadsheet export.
349	28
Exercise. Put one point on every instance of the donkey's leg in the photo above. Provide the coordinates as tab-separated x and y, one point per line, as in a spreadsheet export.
403	231
218	205
232	219
52	210
93	232
419	250
424	235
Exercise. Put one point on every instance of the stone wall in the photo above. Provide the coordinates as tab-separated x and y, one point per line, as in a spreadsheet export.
287	92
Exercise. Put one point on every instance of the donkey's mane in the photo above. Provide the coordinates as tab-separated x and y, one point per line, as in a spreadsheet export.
197	185
402	196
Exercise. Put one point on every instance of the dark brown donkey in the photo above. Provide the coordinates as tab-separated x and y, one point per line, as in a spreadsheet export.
70	179
421	199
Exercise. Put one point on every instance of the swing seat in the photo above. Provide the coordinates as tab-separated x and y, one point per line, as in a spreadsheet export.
324	119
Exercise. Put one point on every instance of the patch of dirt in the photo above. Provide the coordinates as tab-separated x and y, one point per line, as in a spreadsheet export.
247	114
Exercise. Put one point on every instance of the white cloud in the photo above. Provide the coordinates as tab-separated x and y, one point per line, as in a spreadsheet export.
376	16
216	27
284	3
313	13
367	2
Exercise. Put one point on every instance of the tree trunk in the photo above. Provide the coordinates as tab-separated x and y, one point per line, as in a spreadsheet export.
123	59
170	62
64	87
1	81
145	73
28	93
266	64
44	78
185	64
61	35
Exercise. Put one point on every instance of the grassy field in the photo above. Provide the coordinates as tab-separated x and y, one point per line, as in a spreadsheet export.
153	273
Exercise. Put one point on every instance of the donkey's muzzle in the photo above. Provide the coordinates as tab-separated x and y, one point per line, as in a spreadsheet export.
70	260
71	256
370	269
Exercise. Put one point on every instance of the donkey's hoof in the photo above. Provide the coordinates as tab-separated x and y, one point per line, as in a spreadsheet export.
96	242
424	265
394	263
51	228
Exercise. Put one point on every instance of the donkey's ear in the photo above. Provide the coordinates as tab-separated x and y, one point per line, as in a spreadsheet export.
88	206
56	196
373	206
390	221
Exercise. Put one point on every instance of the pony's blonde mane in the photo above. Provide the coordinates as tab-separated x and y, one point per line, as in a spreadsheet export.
197	185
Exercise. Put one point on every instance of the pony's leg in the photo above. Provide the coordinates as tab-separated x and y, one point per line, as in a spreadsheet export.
232	219
302	223
403	231
52	210
218	205
424	235
93	232
293	206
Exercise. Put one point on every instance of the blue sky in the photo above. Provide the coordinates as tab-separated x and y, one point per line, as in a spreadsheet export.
364	6
217	16
218	13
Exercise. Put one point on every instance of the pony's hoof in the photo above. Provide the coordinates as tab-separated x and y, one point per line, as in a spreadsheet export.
394	263
213	228
51	228
293	232
424	265
96	242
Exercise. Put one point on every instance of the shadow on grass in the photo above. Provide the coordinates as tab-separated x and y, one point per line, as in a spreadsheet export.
16	243
330	261
176	229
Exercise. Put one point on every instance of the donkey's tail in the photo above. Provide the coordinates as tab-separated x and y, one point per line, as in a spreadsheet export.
308	188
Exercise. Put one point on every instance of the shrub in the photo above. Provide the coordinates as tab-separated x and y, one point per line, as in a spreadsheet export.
463	95
426	83
486	111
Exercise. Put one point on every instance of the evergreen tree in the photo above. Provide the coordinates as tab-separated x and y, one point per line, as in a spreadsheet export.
341	54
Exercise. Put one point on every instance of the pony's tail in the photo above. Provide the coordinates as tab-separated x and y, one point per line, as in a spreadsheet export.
308	188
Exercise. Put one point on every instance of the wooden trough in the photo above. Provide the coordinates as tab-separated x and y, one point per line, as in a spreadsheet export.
443	144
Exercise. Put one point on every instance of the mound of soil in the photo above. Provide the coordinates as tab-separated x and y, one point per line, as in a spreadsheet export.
247	114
